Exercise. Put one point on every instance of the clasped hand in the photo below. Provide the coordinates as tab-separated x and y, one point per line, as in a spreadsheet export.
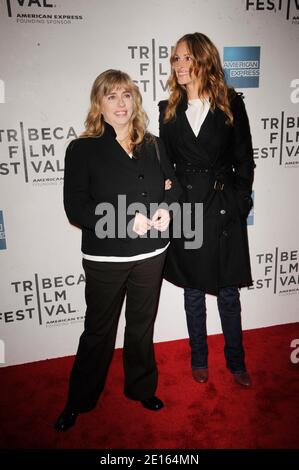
159	221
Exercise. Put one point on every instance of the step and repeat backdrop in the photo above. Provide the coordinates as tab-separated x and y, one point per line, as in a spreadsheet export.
51	51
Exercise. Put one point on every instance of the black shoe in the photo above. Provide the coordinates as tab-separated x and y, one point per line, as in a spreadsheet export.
66	420
152	403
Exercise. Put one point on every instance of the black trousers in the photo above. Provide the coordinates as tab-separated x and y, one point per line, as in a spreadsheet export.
107	283
229	308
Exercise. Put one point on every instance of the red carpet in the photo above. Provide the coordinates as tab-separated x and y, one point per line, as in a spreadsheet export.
219	414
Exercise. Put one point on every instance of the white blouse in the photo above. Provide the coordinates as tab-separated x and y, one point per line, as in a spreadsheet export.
196	113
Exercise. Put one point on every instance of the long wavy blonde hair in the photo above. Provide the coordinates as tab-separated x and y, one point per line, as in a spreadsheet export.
103	85
207	66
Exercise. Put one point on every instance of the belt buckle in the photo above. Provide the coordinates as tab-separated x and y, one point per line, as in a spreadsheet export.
218	185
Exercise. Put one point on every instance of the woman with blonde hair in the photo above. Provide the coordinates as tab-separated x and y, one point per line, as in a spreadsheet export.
206	132
113	189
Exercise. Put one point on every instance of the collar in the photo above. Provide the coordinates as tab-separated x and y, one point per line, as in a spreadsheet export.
183	104
109	130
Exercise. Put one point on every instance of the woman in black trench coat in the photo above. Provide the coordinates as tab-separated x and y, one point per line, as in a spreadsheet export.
206	131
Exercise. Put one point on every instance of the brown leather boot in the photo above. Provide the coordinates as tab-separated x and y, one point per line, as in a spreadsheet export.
200	375
243	379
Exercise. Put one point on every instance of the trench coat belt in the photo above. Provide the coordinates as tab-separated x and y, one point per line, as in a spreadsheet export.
185	168
220	176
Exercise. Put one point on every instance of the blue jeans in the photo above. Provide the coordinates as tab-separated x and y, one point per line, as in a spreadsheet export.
229	307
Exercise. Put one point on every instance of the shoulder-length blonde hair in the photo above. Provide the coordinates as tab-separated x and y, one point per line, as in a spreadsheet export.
207	66
103	85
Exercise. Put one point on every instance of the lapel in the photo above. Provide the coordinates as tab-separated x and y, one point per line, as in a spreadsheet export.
197	142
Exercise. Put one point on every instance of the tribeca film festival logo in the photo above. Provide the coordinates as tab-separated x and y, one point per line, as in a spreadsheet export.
290	8
153	67
40	11
2	233
242	66
278	271
45	301
35	154
281	136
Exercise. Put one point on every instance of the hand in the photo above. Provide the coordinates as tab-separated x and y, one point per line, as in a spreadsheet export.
168	184
245	204
161	219
141	224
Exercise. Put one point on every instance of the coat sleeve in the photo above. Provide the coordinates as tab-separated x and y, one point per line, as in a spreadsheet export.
79	205
242	153
163	128
173	194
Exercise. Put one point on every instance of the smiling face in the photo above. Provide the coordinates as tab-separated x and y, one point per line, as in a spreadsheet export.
117	107
183	64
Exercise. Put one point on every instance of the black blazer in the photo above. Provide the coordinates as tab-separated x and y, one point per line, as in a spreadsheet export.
98	170
214	168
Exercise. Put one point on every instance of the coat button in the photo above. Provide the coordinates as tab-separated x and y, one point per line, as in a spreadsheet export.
140	177
224	233
144	194
222	212
189	186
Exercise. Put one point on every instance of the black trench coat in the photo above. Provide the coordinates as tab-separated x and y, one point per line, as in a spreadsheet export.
215	168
